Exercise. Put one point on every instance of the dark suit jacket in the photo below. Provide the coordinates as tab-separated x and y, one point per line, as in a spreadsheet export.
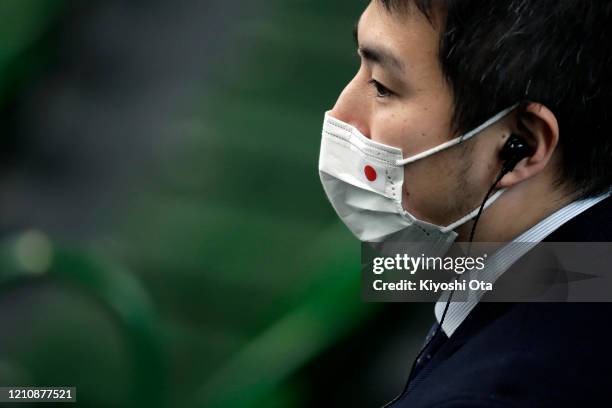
527	354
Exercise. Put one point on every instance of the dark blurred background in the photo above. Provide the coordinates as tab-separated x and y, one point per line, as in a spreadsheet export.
165	238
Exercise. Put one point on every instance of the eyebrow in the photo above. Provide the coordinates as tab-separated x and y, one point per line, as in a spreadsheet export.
377	55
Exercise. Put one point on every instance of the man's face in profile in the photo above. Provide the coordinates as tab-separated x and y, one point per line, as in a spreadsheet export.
399	97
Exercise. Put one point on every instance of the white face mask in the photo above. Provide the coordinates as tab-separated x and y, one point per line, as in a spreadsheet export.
363	180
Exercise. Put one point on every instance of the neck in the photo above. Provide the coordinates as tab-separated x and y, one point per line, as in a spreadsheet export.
518	209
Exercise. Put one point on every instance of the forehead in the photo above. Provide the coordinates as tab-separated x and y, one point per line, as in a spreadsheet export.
407	34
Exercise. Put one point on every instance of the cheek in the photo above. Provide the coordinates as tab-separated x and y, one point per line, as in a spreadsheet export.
436	188
390	130
426	181
413	129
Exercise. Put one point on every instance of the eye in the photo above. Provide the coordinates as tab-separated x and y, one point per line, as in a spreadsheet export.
381	90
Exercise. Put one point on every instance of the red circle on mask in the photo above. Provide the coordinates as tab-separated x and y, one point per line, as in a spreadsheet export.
370	173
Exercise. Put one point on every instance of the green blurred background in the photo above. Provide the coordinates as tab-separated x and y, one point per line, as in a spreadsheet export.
165	238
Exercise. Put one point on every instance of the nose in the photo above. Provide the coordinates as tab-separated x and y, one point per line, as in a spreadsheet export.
353	107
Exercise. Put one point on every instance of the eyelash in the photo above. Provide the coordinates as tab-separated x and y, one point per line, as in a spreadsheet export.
381	90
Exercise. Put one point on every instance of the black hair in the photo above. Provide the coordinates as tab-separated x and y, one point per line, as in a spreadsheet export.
495	53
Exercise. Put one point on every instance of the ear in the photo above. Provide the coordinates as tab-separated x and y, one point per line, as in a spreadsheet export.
539	126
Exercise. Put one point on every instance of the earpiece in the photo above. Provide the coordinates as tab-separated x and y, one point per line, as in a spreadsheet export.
515	150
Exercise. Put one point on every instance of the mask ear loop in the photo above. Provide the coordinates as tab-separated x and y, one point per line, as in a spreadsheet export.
476	213
457	140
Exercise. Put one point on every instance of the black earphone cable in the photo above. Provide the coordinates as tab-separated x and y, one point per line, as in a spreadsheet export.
501	175
503	172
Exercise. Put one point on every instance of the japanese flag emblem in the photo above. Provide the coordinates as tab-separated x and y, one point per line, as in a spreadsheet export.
372	175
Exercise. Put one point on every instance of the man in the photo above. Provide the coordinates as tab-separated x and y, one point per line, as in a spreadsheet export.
421	135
